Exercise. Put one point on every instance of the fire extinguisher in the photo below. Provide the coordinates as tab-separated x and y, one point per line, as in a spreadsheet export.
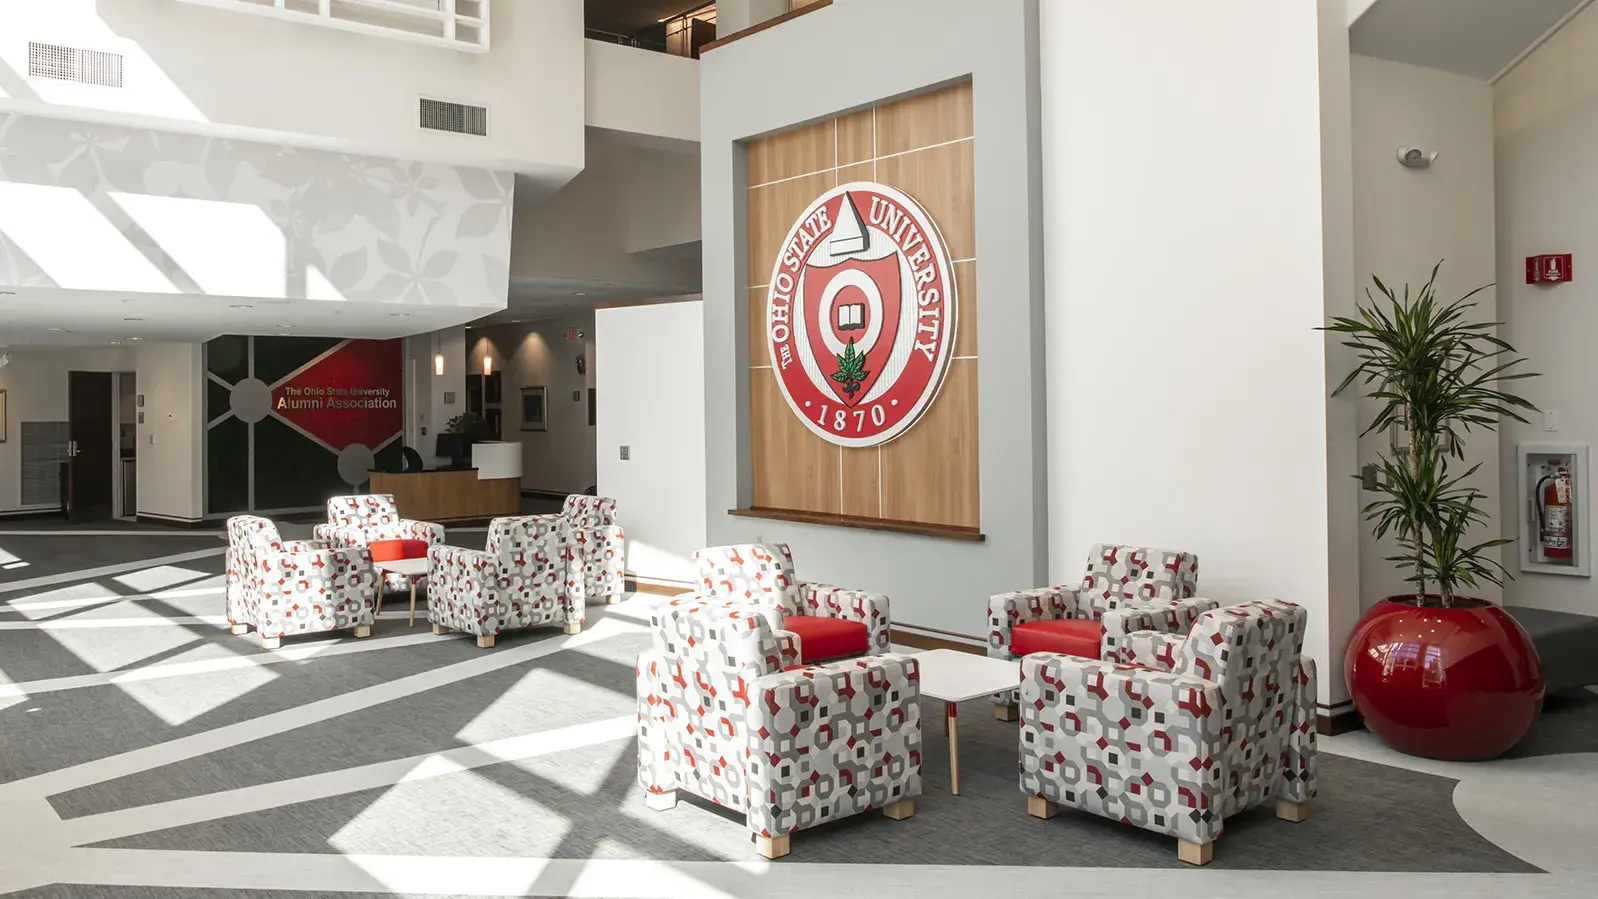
1553	514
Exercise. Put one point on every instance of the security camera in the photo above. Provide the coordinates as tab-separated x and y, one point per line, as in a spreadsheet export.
1416	158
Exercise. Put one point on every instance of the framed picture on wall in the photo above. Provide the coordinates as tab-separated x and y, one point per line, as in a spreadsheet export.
534	409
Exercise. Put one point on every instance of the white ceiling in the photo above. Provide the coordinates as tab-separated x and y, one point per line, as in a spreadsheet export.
540	299
54	317
1469	37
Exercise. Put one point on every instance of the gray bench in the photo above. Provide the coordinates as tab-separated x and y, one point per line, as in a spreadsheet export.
1566	643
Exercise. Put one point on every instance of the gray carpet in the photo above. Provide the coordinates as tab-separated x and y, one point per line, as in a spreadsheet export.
584	803
49	555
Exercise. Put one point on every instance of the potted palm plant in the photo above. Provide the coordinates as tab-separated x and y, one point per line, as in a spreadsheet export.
1437	672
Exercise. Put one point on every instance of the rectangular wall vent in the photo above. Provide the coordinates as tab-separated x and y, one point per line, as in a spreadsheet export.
458	118
74	64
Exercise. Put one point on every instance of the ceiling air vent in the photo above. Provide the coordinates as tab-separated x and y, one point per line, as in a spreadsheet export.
74	64
458	118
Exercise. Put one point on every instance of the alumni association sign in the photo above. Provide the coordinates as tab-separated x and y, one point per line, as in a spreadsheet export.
860	314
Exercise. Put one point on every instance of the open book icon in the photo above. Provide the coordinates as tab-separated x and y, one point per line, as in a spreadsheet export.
851	317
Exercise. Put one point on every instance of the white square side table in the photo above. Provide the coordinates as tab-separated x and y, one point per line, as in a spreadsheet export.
954	677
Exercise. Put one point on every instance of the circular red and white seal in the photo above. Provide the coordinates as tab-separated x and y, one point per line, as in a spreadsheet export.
860	314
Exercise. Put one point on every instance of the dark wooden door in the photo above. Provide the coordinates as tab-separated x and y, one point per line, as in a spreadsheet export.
90	412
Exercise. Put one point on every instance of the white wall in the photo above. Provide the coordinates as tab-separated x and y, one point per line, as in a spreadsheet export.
1186	273
330	88
1408	219
560	459
35	383
1546	122
642	92
583	232
650	367
171	449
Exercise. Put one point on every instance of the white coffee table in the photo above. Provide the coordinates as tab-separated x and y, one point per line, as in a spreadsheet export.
954	677
412	570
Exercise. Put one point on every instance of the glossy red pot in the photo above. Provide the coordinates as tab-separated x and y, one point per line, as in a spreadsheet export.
1462	683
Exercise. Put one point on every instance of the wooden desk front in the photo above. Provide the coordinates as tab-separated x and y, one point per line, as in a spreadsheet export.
449	495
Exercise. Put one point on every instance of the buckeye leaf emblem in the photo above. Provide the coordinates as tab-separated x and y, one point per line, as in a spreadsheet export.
851	369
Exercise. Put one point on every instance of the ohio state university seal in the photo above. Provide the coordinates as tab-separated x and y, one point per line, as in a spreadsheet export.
860	314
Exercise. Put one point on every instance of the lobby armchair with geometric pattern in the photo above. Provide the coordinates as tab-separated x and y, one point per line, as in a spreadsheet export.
366	518
599	545
1201	728
283	588
526	577
719	718
1126	589
830	622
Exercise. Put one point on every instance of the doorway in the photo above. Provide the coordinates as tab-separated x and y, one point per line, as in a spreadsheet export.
91	455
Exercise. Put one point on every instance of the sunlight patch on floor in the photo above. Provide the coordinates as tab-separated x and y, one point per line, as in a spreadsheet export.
180	700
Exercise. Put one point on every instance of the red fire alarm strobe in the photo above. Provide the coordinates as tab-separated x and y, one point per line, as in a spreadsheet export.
1549	269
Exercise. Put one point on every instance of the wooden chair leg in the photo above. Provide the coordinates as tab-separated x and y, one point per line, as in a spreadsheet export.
364	630
485	642
271	642
898	811
239	629
772	847
1008	712
1038	807
1195	853
574	627
439	630
662	801
1292	811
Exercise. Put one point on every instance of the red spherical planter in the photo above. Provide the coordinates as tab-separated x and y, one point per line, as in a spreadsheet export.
1462	683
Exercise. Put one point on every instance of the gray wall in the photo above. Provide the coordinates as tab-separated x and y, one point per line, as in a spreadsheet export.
851	55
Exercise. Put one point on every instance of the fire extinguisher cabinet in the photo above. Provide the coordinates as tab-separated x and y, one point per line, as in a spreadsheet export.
1556	510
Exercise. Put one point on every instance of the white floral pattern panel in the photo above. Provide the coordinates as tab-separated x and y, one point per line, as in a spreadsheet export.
302	224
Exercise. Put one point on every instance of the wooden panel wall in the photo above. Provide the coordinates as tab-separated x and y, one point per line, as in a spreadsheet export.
921	145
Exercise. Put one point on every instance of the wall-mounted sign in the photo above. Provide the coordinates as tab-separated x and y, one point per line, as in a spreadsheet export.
860	314
1548	269
350	394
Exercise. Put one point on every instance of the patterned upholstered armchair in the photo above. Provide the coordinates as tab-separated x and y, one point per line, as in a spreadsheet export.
525	578
599	545
287	587
360	520
1125	589
1200	728
719	718
829	622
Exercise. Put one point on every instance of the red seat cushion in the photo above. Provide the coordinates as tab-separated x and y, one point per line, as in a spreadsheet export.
394	550
821	639
1079	637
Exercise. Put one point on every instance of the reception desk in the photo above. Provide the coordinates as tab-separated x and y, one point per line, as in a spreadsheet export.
493	488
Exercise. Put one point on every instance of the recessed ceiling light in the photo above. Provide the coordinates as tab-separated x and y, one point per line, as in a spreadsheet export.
7	293
399	315
116	343
133	319
241	306
579	294
57	329
135	338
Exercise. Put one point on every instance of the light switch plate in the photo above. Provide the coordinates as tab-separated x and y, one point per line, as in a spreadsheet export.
1550	420
626	453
